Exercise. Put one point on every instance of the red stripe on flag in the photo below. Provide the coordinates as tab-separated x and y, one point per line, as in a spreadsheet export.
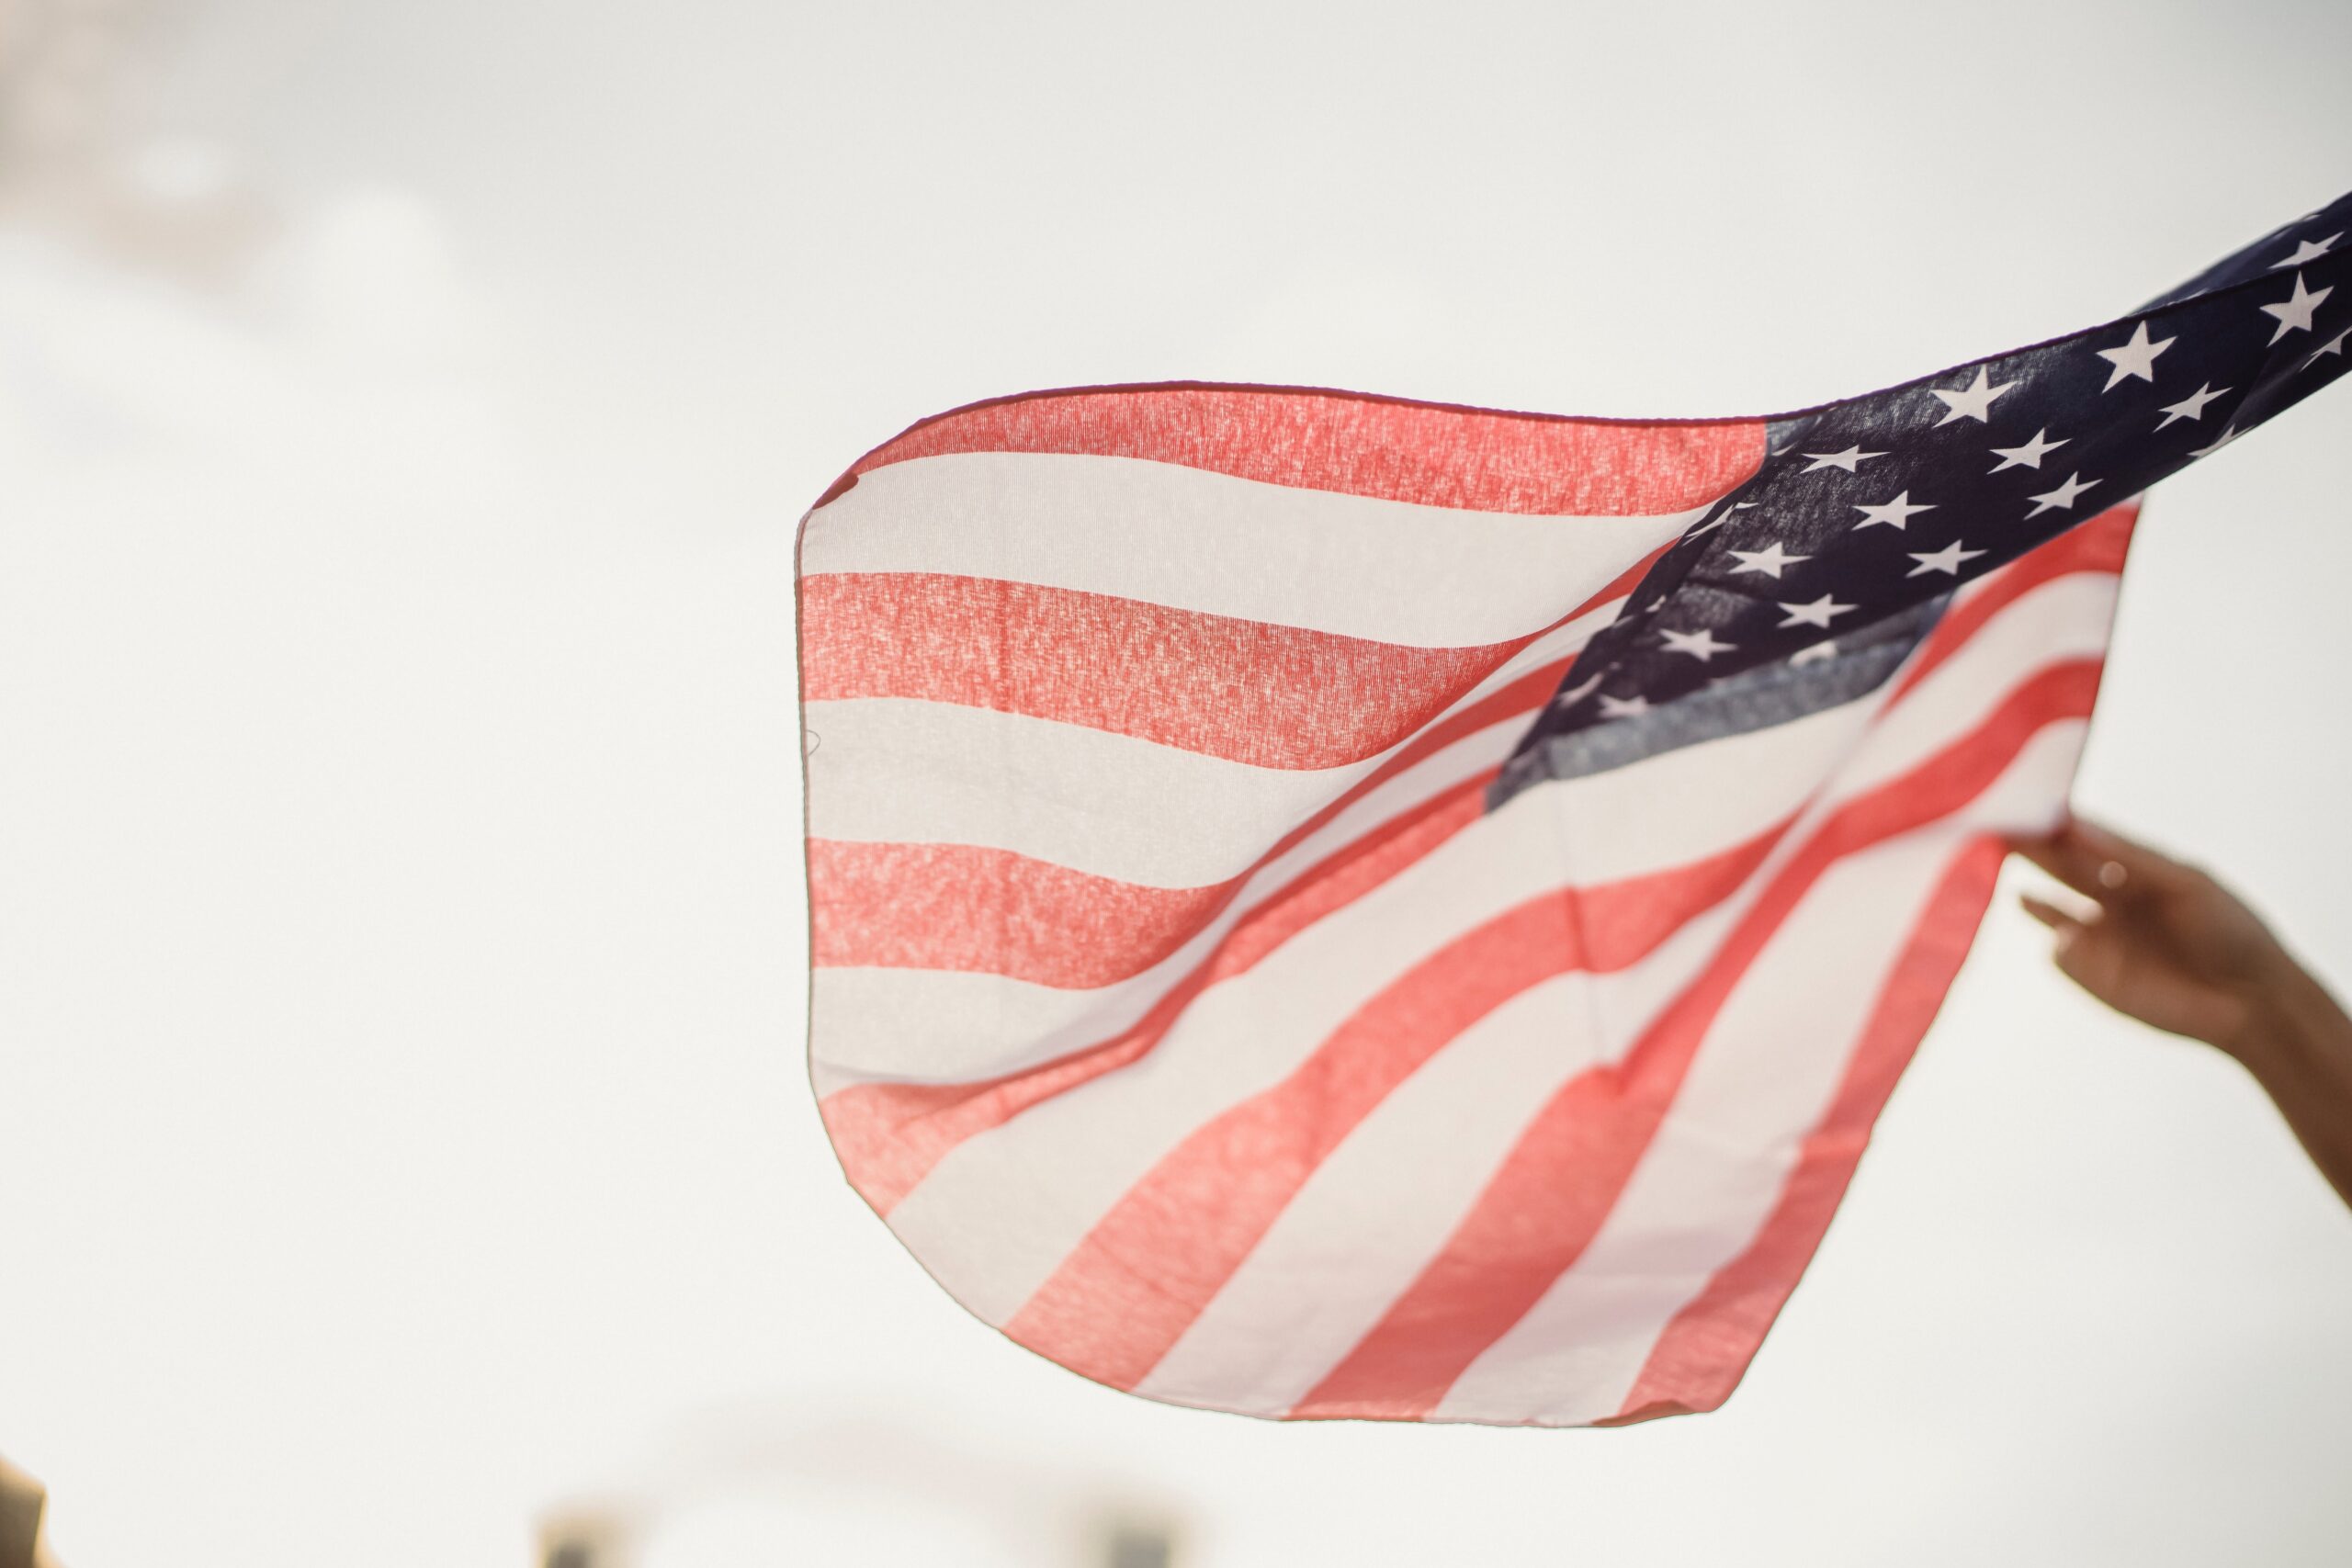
965	907
1253	692
889	1135
1432	455
1703	1351
1129	1290
1559	1183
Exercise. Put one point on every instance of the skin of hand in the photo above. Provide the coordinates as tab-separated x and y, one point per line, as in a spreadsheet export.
2165	943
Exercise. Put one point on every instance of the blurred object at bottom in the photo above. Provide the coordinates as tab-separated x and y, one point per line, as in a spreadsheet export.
1138	1543
587	1537
864	1487
21	1502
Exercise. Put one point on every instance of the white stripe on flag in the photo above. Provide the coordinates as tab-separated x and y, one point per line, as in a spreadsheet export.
2066	618
1388	571
1764	1075
904	771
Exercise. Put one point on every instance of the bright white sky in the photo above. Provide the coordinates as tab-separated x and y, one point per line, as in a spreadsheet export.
405	1128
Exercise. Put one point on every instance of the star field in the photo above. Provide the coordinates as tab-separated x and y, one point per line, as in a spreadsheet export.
1869	508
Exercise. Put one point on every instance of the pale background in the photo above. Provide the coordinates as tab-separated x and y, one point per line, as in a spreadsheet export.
404	412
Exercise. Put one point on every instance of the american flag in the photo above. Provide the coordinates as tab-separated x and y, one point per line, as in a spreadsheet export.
1329	906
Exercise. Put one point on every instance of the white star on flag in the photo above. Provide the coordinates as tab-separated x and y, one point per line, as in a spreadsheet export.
1817	614
1623	707
1826	648
1946	560
2333	346
1972	401
2062	497
1849	460
2309	251
2136	358
1895	512
2191	406
1770	560
2228	433
2294	312
2028	455
1699	644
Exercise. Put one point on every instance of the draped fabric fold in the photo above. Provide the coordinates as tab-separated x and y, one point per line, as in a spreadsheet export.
1329	906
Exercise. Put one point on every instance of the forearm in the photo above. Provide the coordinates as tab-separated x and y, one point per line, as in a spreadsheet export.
2298	1045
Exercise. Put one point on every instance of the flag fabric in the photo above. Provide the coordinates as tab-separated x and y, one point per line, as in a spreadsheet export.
1329	906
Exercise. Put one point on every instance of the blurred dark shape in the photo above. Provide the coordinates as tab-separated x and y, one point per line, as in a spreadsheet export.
1045	1512
587	1537
21	1503
1129	1544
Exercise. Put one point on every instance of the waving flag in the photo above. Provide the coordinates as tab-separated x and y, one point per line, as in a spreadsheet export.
1324	906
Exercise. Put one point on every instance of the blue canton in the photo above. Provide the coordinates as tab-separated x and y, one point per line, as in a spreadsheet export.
1809	583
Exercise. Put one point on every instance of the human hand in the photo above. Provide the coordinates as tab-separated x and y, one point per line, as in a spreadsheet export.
2163	942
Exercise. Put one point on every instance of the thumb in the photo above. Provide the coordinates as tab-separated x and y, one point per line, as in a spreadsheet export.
2068	948
2067	927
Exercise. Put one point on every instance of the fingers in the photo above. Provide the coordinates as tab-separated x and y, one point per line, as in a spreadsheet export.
2049	914
2122	861
2080	952
2066	856
2067	927
2100	863
2049	853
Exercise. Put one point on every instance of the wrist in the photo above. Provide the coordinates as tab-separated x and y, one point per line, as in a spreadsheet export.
2287	1021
